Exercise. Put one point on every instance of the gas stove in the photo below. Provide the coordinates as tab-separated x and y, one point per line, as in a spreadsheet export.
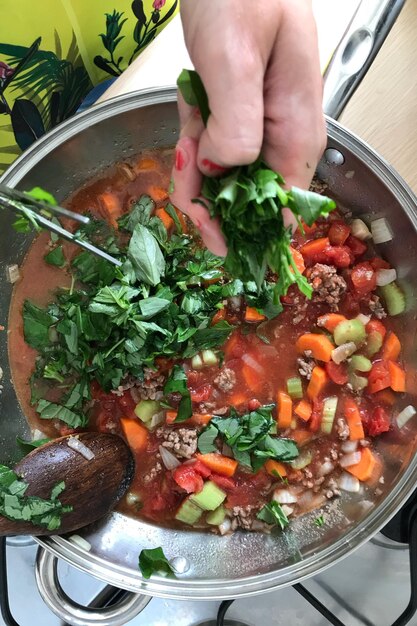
371	587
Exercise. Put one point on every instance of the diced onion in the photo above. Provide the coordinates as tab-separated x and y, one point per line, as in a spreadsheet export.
306	499
349	446
363	318
132	498
350	459
350	483
381	232
326	468
385	277
235	302
341	353
225	526
80	542
13	273
168	459
287	509
157	419
405	415
284	496
249	360
360	230
81	448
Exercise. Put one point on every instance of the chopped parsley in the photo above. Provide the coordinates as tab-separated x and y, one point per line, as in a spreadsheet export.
154	561
319	521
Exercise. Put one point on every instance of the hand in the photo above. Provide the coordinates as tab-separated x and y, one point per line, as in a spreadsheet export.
259	63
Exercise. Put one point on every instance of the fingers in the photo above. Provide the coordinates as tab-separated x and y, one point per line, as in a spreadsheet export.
187	186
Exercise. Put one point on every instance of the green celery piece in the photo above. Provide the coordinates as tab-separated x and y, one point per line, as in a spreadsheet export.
189	512
209	498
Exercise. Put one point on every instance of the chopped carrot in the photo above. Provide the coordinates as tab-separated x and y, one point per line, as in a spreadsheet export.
218	463
329	321
252	315
146	164
135	433
364	469
166	219
298	260
234	347
252	377
317	382
308	229
386	397
304	410
391	348
376	326
397	376
237	399
218	316
314	247
158	194
199	419
353	419
110	208
321	347
170	417
275	468
284	405
301	436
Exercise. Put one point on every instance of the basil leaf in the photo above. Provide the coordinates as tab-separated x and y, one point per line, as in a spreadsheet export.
177	383
206	338
309	205
49	411
40	194
55	257
145	255
278	448
173	215
272	513
206	439
28	446
193	91
152	306
140	213
36	324
152	561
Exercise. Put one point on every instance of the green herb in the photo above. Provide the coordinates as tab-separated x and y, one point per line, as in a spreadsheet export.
173	215
28	446
154	561
319	521
55	257
36	324
42	195
49	411
249	201
249	438
177	383
272	513
16	506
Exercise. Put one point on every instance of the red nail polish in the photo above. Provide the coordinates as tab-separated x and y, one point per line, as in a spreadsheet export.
213	167
180	159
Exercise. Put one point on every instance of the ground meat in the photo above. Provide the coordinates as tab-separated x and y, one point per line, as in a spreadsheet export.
152	473
305	366
331	489
318	186
328	286
181	441
150	388
244	516
342	429
226	380
210	407
376	307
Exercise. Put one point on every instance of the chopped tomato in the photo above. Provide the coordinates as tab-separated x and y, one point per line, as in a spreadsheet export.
202	394
253	404
338	233
127	404
339	256
378	422
379	377
201	469
194	378
356	246
379	264
224	482
376	326
188	479
315	419
363	278
218	316
337	372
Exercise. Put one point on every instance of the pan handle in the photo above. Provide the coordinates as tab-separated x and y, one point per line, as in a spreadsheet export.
73	613
356	52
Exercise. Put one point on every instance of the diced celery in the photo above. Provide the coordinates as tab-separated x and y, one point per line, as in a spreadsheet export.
302	460
358	382
146	409
360	363
197	362
216	517
329	412
394	298
349	330
209	357
209	498
373	343
189	513
295	387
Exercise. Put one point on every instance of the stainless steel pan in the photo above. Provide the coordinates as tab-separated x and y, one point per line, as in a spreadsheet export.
241	564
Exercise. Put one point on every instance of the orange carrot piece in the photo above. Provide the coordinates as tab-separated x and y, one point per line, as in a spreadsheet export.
301	436
364	469
329	321
218	463
397	376
146	164
237	399
275	468
218	316
386	397
317	382
170	417
158	194
320	346
298	260
314	247
252	315
199	419
252	377
303	410
353	419
308	229
391	348
284	406
166	219
135	433
110	207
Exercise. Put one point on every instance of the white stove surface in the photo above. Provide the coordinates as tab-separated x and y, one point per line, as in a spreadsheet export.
370	587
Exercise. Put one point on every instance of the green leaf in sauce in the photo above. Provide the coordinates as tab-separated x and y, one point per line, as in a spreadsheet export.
153	561
49	411
56	257
28	446
206	439
145	256
36	324
177	383
273	514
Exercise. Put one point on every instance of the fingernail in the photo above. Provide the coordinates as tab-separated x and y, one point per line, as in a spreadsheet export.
181	159
213	167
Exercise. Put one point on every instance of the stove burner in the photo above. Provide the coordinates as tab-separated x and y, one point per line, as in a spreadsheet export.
398	529
227	622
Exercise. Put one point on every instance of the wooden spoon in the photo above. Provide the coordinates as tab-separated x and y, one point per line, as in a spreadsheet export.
92	487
